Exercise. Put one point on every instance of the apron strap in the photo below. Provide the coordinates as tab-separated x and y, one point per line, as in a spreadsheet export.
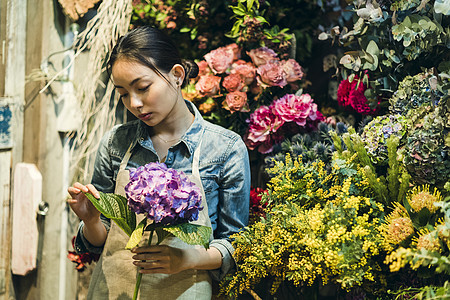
126	158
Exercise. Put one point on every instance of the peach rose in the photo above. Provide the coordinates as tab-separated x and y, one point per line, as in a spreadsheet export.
236	101
262	56
272	74
208	85
293	70
220	59
203	68
246	70
236	50
233	82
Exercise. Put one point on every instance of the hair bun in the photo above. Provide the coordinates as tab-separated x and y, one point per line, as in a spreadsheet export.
191	68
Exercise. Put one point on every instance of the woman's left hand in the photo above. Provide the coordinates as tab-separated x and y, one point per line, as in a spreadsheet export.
161	259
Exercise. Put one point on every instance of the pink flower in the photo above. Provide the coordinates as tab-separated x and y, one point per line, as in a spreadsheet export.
293	70
263	125
246	70
262	56
220	59
236	50
236	101
203	68
292	108
314	114
272	74
233	82
352	94
208	85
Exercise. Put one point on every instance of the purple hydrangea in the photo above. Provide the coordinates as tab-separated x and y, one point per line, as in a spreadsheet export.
165	194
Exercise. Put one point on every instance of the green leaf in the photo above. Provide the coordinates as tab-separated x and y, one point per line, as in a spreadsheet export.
250	4
194	33
115	207
191	234
137	234
261	19
161	233
238	10
372	48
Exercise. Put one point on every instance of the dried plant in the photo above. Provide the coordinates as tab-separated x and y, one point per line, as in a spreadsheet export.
111	21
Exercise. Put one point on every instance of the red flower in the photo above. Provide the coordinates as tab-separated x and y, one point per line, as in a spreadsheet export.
81	259
352	94
256	208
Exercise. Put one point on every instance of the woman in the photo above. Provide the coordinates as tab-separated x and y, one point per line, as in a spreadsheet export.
148	73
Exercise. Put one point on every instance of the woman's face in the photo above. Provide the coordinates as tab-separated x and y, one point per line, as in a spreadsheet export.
144	93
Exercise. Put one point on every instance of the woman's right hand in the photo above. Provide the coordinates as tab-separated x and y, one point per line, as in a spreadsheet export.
81	205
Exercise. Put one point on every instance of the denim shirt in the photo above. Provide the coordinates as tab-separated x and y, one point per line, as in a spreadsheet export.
224	171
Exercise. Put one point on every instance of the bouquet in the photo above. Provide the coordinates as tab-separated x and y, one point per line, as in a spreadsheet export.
268	125
167	199
232	83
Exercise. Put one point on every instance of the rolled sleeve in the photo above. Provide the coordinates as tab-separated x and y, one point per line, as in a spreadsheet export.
228	264
82	245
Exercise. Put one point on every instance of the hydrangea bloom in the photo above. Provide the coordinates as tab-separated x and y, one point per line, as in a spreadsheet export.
166	195
376	133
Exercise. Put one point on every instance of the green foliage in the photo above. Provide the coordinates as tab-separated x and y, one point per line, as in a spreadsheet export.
428	292
376	133
191	234
418	34
196	25
137	234
115	207
425	153
393	42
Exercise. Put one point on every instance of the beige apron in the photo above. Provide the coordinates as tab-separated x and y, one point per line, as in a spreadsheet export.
114	276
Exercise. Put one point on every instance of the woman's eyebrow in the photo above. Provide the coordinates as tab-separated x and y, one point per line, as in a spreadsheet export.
131	83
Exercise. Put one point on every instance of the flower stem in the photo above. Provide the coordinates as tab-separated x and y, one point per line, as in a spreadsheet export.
139	275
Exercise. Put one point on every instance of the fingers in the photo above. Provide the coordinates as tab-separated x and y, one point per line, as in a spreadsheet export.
77	188
149	256
149	249
93	191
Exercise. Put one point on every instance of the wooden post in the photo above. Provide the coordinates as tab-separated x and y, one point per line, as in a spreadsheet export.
12	82
5	224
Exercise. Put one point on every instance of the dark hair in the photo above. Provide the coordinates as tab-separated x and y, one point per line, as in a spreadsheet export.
152	48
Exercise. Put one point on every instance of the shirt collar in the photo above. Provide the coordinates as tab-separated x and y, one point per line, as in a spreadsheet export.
191	138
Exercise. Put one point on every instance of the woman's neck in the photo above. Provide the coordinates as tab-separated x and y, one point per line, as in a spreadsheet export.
176	123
